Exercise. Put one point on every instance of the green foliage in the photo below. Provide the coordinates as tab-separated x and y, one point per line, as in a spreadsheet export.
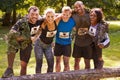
113	51
110	7
3	46
114	26
9	5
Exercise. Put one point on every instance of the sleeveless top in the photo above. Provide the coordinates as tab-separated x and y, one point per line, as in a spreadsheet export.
47	36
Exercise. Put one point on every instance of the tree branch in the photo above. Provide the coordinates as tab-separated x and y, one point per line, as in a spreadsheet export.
91	74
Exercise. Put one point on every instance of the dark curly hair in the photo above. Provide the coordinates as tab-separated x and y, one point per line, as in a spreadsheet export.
99	14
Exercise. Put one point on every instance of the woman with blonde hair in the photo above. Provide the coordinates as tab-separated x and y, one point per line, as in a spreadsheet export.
43	43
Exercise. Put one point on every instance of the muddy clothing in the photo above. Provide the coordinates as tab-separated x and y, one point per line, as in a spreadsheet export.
63	38
83	41
85	52
20	29
43	47
47	36
101	33
101	36
82	26
64	50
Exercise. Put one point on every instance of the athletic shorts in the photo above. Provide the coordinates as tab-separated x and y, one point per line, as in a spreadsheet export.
85	52
64	50
25	54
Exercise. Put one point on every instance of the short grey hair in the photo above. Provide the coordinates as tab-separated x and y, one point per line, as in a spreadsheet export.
34	8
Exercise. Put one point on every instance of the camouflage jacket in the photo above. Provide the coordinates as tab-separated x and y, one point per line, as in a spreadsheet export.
102	30
21	28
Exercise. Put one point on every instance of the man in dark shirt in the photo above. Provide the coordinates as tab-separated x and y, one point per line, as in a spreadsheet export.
83	41
19	38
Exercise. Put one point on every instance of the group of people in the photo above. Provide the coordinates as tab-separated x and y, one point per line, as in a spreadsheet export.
90	36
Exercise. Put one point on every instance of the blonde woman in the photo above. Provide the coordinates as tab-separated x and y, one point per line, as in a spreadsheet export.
43	43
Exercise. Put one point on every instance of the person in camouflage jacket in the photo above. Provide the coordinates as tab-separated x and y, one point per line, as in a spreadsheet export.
99	32
23	32
19	38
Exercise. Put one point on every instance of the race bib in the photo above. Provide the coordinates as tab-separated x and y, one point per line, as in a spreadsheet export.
51	34
34	30
82	31
92	31
64	34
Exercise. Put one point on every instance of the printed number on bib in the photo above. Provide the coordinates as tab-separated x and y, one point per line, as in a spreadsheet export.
64	35
51	34
82	31
92	31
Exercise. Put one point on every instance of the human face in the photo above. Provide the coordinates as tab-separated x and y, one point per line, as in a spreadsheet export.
33	16
66	15
93	18
79	8
50	17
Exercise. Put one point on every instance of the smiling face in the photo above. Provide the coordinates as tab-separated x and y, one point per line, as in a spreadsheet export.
66	15
33	15
50	17
96	15
93	18
79	7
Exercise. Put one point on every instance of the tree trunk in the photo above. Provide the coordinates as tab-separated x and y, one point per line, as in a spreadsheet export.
6	19
69	3
72	75
62	2
14	16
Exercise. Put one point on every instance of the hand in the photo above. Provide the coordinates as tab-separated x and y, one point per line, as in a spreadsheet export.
53	44
34	38
101	45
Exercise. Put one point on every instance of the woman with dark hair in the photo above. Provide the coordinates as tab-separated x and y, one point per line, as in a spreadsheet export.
99	32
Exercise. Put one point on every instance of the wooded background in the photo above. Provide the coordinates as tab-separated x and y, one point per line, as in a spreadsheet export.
11	10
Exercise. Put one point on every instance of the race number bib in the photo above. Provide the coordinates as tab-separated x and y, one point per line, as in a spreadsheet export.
82	31
51	34
64	34
34	30
92	31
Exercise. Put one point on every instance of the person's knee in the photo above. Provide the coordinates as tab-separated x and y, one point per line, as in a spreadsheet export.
12	55
87	63
58	60
77	60
23	64
66	60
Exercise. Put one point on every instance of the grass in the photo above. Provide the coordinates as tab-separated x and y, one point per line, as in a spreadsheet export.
110	55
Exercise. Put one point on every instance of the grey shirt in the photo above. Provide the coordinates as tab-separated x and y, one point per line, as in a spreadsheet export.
82	26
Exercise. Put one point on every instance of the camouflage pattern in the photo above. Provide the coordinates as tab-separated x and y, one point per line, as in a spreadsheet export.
102	29
20	29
